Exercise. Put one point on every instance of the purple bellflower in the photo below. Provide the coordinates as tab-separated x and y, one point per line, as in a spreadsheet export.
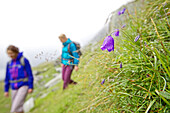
122	12
123	26
137	38
119	13
121	65
108	44
116	33
103	82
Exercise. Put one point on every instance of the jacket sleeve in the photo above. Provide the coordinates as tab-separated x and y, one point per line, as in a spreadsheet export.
30	75
6	81
74	53
62	57
62	54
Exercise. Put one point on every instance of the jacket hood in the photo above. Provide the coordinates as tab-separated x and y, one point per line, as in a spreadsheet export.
19	55
67	42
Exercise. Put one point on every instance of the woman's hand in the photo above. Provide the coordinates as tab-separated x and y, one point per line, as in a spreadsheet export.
62	65
6	94
76	68
30	90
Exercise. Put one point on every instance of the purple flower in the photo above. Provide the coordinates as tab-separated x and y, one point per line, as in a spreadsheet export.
119	13
123	10
123	26
137	38
108	44
121	65
116	33
103	82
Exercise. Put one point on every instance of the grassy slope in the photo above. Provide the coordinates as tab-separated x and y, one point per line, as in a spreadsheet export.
142	84
128	89
4	102
75	97
39	89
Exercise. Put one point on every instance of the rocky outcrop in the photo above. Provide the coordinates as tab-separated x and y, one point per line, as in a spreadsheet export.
29	104
53	82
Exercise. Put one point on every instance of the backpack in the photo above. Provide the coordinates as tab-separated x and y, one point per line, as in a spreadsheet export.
21	61
77	46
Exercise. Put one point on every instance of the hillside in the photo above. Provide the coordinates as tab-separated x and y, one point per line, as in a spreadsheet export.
132	78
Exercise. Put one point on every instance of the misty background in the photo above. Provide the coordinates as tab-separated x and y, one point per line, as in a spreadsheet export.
34	25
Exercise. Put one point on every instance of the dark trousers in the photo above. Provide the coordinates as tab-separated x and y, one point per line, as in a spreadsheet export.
66	75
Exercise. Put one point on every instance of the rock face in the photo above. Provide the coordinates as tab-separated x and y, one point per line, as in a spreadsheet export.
54	75
29	104
44	95
114	19
35	72
58	69
113	22
53	81
38	78
55	89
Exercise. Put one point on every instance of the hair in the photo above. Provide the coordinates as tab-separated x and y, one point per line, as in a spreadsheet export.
62	36
13	48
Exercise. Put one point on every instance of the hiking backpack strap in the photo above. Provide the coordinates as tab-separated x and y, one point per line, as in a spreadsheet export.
72	59
69	48
77	47
22	61
9	62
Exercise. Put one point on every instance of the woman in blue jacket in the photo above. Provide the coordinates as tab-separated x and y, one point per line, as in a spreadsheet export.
19	76
68	61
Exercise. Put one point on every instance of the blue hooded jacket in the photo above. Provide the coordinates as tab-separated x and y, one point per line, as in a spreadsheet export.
65	57
16	71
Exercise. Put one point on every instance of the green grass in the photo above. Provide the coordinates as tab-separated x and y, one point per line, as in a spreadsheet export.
142	85
44	65
5	103
39	88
